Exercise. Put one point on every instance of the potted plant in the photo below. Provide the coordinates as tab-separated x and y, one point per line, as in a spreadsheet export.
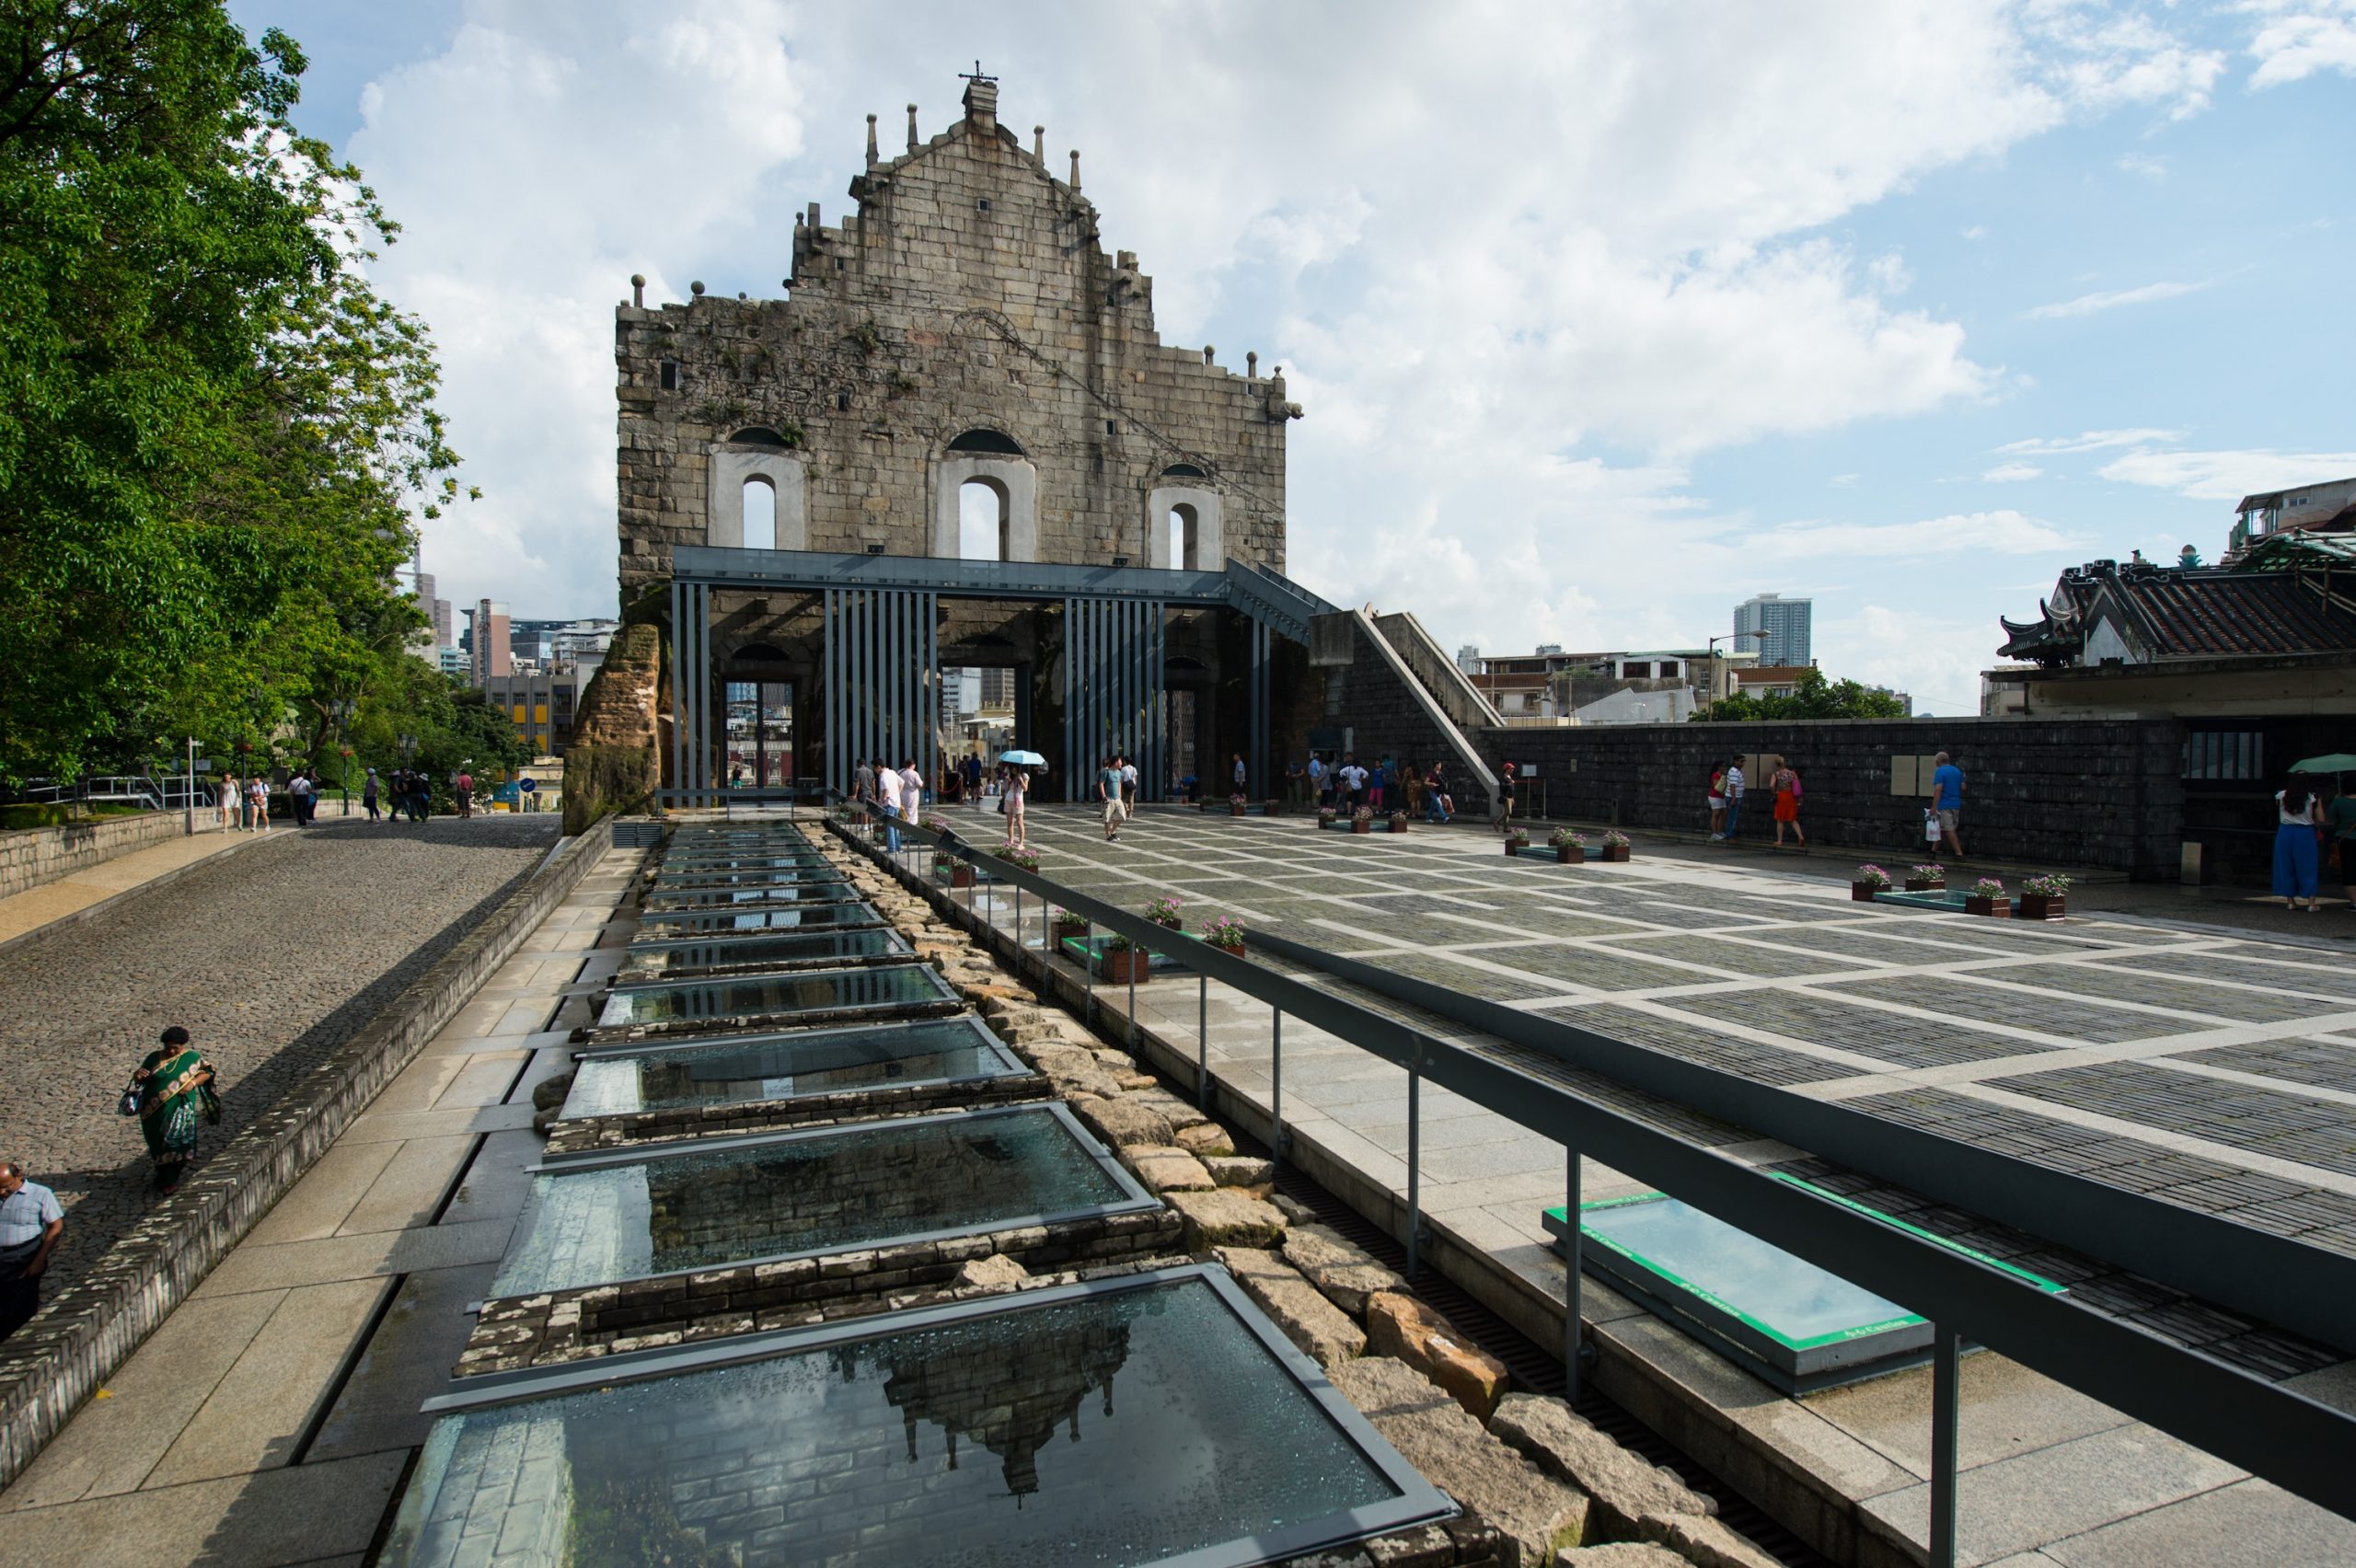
1069	926
1929	877
1398	822
1987	897
1014	854
1226	933
1122	960
1615	845
1517	840
959	873
1362	819
1870	879
1275	807
2043	898
1325	816
1570	845
1235	805
1163	912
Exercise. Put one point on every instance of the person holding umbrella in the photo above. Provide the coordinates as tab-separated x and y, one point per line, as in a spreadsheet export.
2338	828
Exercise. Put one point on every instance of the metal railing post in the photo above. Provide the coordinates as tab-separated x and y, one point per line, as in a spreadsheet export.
1414	1160
1573	1243
1946	1391
1276	1090
1133	995
1203	1041
1088	964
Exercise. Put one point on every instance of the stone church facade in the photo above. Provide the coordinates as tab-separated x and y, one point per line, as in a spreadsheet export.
964	325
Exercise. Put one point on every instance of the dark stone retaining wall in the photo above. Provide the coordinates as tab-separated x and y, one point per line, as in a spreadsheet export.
572	1136
54	1363
2050	791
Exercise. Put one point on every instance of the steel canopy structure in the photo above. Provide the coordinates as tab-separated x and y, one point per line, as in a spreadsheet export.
880	653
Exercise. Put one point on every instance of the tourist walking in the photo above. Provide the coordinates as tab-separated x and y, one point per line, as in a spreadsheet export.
30	1222
1508	783
862	783
1108	790
1239	773
172	1094
911	792
1376	783
1439	807
1947	806
2298	840
1719	801
2340	841
1786	786
463	786
226	802
887	802
257	792
1734	788
1320	792
1015	790
369	796
1129	784
299	796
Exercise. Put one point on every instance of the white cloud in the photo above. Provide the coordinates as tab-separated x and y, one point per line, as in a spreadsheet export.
1976	232
1843	482
2091	441
2088	304
1982	533
1483	240
1935	660
2297	40
2228	476
2154	170
2010	473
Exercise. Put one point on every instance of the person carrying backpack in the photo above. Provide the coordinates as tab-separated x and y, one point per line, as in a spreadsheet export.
1786	786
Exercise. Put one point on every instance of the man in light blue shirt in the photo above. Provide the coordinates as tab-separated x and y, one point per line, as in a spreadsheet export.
1947	801
30	1222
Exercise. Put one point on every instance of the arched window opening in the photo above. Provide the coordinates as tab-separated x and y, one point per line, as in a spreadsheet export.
994	441
1186	537
1184	471
982	521
758	435
760	514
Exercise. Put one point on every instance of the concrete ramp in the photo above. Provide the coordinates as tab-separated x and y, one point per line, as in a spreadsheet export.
1434	711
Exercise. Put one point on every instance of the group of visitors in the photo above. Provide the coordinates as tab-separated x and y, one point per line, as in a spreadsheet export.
2312	840
1388	786
1729	787
897	793
405	789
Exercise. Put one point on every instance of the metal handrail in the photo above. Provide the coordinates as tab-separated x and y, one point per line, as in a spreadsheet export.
2273	1431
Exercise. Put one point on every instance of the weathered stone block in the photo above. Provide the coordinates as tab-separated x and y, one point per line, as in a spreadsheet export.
1625	1488
1321	1330
1226	1218
1538	1514
1121	1120
1166	1168
1345	1272
1206	1137
1403	1327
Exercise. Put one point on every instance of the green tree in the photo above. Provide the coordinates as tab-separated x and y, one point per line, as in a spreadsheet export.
215	433
1814	698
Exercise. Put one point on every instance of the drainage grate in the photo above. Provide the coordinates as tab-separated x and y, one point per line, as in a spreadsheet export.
1539	1370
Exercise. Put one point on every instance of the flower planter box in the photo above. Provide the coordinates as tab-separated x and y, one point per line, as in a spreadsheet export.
1235	809
1863	893
1615	853
2001	908
1570	855
1515	847
1275	808
1073	934
1395	825
1236	952
1925	884
1361	825
1126	964
961	875
2042	906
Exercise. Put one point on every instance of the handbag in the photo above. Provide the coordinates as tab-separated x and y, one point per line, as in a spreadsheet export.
129	1105
209	1099
1001	802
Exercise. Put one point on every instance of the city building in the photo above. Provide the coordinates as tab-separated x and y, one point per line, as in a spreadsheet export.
1786	623
541	703
486	641
551	644
1468	659
1552	683
2330	507
453	662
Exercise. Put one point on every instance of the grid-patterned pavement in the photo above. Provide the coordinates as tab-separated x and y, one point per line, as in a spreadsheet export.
2202	1067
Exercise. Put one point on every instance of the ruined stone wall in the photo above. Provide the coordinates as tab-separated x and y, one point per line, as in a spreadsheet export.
967	292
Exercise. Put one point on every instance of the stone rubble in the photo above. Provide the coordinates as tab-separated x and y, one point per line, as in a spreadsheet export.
1403	1327
1322	1331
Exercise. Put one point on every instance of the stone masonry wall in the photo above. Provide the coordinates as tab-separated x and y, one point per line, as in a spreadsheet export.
43	855
2064	792
968	292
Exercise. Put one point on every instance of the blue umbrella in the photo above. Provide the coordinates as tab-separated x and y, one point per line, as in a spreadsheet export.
1022	759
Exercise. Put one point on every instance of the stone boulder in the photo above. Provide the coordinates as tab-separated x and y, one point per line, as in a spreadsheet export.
1206	1138
1167	1169
1311	1322
1240	1171
1225	1218
1539	1515
1123	1121
1627	1491
1404	1328
997	1271
1345	1272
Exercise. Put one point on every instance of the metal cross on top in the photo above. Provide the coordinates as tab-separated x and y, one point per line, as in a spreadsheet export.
976	76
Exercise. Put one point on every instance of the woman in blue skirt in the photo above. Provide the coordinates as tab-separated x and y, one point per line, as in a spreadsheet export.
2297	845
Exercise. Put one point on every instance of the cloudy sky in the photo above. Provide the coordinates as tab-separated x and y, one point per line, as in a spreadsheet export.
1605	315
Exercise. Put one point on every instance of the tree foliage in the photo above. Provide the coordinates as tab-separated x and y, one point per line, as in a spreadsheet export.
1815	698
214	437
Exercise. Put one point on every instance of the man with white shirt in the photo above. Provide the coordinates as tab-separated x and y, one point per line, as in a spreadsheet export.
911	792
887	801
1734	788
30	1222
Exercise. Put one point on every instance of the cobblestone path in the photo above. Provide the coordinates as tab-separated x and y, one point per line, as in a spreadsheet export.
270	957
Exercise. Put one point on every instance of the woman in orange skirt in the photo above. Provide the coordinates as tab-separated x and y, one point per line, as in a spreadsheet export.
1786	786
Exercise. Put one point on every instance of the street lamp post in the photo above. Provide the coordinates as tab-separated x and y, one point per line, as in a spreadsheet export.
342	710
1728	636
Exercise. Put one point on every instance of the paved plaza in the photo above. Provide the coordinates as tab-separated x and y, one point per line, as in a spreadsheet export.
2208	1068
270	956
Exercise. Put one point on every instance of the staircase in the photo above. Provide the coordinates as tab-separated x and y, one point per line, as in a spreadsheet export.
1434	710
1274	598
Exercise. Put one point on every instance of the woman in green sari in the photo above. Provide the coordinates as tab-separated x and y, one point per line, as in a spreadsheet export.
174	1096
